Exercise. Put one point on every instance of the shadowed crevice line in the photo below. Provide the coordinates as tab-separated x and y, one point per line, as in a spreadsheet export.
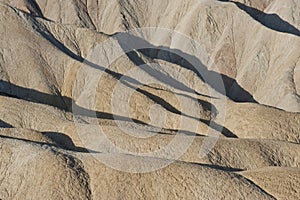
135	58
218	81
66	101
65	142
271	21
219	167
184	132
160	101
36	7
256	185
226	132
32	6
207	106
120	77
102	115
185	95
85	15
31	95
40	97
123	39
43	31
70	147
219	128
4	124
63	103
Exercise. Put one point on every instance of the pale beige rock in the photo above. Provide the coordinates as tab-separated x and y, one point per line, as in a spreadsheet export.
282	183
33	171
177	181
43	48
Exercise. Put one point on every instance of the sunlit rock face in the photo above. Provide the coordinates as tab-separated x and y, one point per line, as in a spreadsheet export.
149	99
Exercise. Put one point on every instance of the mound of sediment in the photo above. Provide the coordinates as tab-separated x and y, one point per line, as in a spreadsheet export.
84	111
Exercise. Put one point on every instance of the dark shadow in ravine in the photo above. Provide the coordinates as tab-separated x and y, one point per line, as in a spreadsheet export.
3	124
34	8
218	81
41	29
125	80
218	167
70	147
271	21
165	53
226	132
65	103
37	8
65	142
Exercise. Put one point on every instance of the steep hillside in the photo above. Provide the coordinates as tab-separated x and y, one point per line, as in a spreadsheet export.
135	99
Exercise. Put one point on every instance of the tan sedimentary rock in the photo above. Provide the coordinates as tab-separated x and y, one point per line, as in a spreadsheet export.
46	61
